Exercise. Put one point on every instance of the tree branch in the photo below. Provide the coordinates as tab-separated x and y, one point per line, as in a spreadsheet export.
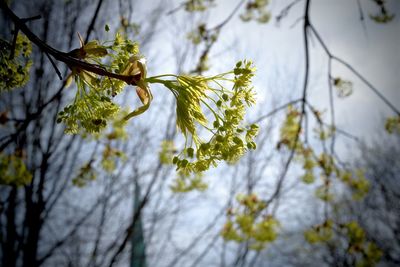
306	25
70	61
353	70
275	110
93	21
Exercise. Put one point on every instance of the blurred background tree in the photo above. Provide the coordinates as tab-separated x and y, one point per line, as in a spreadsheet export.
106	200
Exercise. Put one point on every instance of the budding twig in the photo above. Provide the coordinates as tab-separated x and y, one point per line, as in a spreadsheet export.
54	65
70	61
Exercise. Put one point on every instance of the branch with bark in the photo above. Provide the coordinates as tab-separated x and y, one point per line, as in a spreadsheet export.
67	58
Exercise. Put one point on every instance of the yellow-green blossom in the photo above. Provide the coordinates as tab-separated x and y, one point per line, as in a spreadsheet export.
230	137
14	70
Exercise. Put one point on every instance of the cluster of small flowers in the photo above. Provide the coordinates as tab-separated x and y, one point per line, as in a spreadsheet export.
308	166
324	163
320	233
392	125
384	16
256	9
367	252
230	139
89	111
344	87
13	170
167	152
121	58
110	158
199	34
85	175
290	129
246	224
198	5
357	182
14	71
351	235
184	182
93	106
327	167
188	182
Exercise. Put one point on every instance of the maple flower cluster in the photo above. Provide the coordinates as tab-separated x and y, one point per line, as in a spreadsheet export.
246	223
92	106
14	67
228	137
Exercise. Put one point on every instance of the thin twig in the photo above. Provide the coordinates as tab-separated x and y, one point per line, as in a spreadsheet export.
331	103
172	11
227	19
14	43
295	22
362	18
92	22
275	110
216	29
353	70
285	11
303	104
366	82
54	66
31	18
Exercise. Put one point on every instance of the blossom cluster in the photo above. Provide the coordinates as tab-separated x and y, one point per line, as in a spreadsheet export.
14	63
228	137
246	223
93	106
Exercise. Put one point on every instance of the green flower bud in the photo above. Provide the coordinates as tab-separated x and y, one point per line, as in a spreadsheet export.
216	124
251	145
204	146
237	140
184	163
97	121
190	152
237	71
219	138
254	126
